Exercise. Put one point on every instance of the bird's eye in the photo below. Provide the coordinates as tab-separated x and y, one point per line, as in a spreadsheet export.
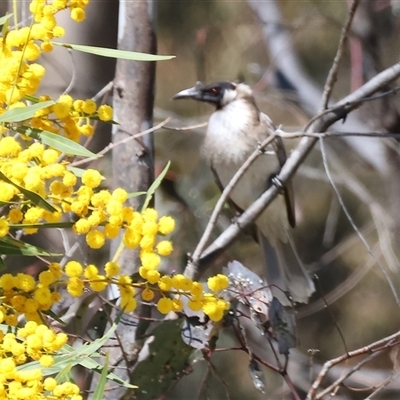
214	91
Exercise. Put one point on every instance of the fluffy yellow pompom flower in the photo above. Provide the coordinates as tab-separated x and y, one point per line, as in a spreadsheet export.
58	31
4	227
91	271
195	304
149	215
177	305
112	268
150	260
153	276
180	281
147	294
211	309
9	147
164	305
73	269
164	248
105	112
166	225
43	297
61	109
49	384
78	14
99	283
196	289
89	106
81	226
165	283
47	47
24	282
46	361
95	239
91	178
218	282
69	179
15	215
75	287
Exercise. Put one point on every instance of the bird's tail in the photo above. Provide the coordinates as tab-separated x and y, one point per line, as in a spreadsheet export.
284	270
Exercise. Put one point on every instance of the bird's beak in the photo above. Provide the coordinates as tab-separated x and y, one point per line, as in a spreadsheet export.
191	93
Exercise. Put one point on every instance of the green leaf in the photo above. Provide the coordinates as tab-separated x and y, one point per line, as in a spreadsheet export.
155	185
32	99
167	360
32	196
64	374
4	21
44	225
113	53
101	384
76	171
5	18
22	113
69	356
57	142
11	246
91	364
136	194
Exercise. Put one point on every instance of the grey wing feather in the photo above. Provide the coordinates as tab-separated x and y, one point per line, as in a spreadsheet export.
280	151
286	271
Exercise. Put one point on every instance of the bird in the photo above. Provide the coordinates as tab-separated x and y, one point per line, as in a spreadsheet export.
235	130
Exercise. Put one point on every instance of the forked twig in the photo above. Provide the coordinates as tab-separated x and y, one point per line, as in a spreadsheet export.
377	346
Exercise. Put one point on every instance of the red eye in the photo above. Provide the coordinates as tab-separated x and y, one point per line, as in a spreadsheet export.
214	91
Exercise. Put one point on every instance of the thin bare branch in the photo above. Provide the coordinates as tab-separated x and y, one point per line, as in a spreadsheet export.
123	141
332	76
354	226
186	128
377	346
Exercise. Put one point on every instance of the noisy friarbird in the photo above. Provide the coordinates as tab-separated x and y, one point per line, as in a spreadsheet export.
235	129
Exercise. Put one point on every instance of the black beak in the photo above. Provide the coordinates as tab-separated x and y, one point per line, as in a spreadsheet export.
191	93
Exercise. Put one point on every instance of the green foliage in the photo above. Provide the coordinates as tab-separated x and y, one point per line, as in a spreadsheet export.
57	142
11	246
167	361
155	185
19	114
32	196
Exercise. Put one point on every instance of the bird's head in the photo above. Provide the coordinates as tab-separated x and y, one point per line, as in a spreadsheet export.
220	93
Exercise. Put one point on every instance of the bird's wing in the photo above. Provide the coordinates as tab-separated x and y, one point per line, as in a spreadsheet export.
280	151
250	230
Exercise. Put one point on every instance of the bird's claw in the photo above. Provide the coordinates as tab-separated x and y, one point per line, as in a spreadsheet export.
278	184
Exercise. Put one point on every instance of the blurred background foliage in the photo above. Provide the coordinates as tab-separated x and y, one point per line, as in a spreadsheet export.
222	40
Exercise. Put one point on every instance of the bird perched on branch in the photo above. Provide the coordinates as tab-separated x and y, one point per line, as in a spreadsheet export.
235	129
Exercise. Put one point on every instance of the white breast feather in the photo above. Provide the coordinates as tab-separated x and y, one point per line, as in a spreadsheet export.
227	148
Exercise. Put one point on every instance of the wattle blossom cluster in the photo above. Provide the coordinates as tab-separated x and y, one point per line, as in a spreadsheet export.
38	187
20	75
33	342
20	47
22	294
